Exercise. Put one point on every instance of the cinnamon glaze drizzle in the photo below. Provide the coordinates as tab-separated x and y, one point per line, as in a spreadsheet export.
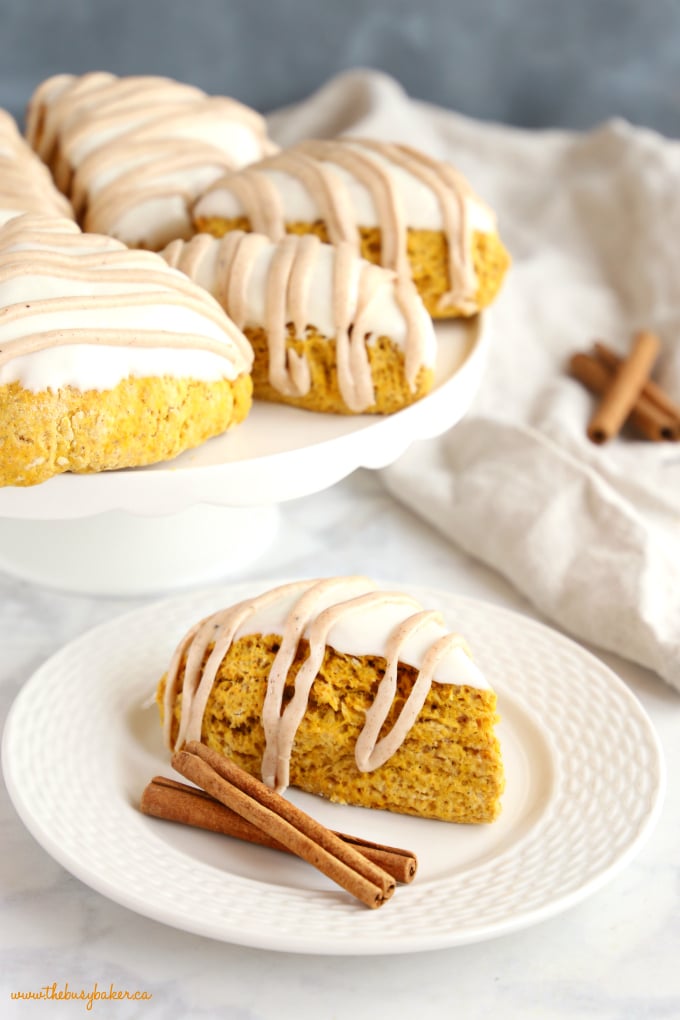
25	184
315	608
98	274
225	266
142	144
372	164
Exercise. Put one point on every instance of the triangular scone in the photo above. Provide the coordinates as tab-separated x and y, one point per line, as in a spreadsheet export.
108	357
25	183
134	153
330	331
399	207
344	690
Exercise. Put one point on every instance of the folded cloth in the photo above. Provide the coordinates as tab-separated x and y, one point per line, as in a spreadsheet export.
591	535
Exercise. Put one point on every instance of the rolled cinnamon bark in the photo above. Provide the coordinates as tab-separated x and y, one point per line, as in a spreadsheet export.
284	822
177	802
649	419
620	397
651	391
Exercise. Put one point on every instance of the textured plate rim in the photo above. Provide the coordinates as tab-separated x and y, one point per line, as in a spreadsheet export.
371	942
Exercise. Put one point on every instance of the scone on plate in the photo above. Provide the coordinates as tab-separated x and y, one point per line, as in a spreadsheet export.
133	153
25	183
330	331
342	689
108	357
397	206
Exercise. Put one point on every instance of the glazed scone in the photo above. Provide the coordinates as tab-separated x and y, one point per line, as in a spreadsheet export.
397	206
108	358
25	183
344	690
134	153
330	331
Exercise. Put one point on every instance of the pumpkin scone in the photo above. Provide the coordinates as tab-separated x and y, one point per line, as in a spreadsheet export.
108	357
133	153
330	331
398	207
345	690
25	183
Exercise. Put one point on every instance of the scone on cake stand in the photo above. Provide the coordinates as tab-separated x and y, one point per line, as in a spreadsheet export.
255	299
214	510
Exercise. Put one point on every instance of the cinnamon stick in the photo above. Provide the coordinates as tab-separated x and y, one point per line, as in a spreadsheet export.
651	391
648	418
284	822
620	397
176	802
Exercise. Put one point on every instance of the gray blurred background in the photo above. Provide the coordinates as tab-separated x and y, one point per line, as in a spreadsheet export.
527	62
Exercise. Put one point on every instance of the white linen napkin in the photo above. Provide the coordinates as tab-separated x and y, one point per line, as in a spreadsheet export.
591	535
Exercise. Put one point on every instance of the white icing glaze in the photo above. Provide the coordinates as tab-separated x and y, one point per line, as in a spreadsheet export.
421	209
348	614
100	368
311	285
134	153
81	310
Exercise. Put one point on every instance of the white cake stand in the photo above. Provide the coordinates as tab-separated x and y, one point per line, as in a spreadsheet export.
214	510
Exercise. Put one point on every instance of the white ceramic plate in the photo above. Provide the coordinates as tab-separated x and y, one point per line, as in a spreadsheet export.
584	787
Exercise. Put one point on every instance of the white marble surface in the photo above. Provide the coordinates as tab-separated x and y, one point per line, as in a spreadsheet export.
615	956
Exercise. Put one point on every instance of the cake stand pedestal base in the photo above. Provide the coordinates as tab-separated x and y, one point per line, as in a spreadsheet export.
120	554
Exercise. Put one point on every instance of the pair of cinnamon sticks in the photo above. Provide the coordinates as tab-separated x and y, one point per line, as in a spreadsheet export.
233	802
626	391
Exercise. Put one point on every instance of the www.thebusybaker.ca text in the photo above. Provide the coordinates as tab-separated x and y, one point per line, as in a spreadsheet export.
55	992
